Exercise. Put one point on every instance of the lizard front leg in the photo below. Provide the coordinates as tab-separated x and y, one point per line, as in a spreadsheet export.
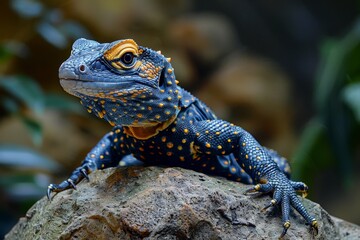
221	138
107	153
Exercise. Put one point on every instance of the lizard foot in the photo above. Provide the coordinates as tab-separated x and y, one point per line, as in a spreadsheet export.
285	195
75	178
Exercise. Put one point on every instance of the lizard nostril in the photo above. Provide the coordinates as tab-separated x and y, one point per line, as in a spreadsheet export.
82	68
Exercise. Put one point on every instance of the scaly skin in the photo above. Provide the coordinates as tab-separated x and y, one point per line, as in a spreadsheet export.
159	123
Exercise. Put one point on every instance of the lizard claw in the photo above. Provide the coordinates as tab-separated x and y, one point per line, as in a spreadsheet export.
83	172
272	203
71	183
314	227
252	189
286	226
49	191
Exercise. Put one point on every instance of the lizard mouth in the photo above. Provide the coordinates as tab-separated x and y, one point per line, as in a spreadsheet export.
79	87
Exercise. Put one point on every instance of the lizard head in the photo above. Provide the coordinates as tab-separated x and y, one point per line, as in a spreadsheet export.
122	82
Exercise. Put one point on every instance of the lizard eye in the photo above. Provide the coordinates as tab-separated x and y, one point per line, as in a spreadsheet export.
127	58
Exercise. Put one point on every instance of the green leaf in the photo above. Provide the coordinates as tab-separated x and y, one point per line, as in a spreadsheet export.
26	90
34	128
309	141
63	103
351	96
330	76
9	104
23	158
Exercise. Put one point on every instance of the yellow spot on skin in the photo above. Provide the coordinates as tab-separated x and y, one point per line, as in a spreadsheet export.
229	140
180	148
207	132
173	130
169	154
168	59
102	165
219	147
102	102
161	105
139	115
244	144
169	82
183	141
115	140
236	133
89	110
103	145
163	139
217	133
212	168
101	156
169	98
141	149
167	112
186	131
157	116
247	156
92	155
207	145
226	162
169	145
204	165
113	109
117	131
170	70
176	81
182	158
149	108
258	158
162	90
197	134
250	167
233	169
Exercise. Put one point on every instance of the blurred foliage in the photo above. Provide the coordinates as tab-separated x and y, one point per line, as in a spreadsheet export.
330	139
22	178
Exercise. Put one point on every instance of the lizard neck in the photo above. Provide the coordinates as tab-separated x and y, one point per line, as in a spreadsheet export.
144	133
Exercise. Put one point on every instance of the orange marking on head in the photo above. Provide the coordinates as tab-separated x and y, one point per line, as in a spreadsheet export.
122	47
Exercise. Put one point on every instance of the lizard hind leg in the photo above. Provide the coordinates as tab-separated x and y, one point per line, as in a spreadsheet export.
280	161
234	171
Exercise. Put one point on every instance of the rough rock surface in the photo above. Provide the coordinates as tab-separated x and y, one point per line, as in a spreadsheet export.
165	203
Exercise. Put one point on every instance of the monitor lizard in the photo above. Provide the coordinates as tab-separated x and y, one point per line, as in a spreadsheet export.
159	123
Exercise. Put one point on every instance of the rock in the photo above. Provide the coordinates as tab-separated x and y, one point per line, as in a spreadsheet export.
165	203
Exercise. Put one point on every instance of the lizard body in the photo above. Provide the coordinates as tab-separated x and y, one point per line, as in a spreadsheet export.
159	123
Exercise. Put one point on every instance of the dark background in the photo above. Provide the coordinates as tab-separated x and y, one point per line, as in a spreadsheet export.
287	71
